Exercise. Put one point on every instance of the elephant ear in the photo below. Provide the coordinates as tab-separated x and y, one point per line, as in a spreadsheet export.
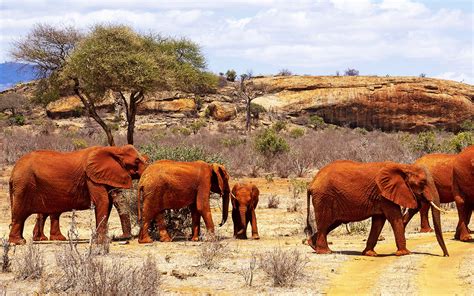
222	177
255	191
104	166
392	185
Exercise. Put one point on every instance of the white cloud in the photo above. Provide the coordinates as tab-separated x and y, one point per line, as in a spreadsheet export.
459	77
306	36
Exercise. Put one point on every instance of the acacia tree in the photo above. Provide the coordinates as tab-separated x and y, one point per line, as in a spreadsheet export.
248	90
115	58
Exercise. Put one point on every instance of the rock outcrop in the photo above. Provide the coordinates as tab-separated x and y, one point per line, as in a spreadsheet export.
222	111
387	103
71	106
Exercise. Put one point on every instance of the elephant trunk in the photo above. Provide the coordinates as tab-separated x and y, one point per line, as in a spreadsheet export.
431	194
225	207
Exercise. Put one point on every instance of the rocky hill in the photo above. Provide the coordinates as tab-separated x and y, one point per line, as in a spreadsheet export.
386	103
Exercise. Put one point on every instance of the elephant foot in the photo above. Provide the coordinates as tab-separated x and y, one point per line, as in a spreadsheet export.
370	253
146	240
402	252
17	241
426	229
255	236
241	236
165	239
40	238
195	239
323	251
123	237
465	238
57	237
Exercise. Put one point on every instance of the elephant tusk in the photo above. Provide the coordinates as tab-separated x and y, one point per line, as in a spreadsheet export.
436	207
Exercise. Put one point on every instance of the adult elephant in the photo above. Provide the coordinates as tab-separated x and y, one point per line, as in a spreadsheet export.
244	200
347	191
463	190
441	168
168	184
50	182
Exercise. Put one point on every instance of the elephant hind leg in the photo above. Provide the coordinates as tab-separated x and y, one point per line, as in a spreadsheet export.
464	213
55	231
16	231
38	231
375	230
160	221
319	240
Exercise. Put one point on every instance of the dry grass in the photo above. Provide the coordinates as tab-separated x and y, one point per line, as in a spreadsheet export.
247	272
284	268
29	263
273	202
6	261
212	250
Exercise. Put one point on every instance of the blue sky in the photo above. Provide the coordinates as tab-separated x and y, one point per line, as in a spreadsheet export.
320	37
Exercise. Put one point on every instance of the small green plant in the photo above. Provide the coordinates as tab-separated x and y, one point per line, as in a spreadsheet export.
197	125
18	119
256	109
79	143
426	142
279	126
317	122
297	132
458	142
181	130
269	143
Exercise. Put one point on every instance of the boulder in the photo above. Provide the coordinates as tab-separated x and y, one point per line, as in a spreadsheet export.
181	105
71	106
386	103
221	111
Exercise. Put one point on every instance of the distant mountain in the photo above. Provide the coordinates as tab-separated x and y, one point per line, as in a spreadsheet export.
13	73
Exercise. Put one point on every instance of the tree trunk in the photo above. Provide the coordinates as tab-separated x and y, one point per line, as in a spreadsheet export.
89	104
247	126
131	109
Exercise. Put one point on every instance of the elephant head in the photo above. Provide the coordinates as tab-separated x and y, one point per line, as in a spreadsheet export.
220	184
115	166
408	186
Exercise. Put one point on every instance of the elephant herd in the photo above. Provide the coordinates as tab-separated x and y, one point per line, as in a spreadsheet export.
49	183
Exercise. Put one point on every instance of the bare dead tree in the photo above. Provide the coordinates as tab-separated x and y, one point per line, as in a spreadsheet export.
248	90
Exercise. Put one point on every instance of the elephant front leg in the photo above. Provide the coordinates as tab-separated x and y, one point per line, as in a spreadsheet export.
55	231
375	230
425	223
399	232
254	225
103	206
38	231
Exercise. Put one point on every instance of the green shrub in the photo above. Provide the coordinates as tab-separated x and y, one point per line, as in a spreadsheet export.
181	130
458	142
180	153
18	119
114	126
256	109
197	125
79	143
297	133
269	143
467	125
317	121
425	142
230	142
231	75
279	126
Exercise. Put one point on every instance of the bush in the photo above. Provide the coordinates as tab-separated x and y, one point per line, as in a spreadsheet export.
247	272
212	250
6	261
79	143
269	143
182	153
197	125
256	109
425	142
178	222
284	268
284	72
273	202
361	227
351	72
18	119
231	75
457	143
467	125
29	263
317	121
296	132
279	126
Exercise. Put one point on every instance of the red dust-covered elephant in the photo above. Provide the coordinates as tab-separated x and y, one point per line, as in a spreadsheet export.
168	184
347	191
244	199
50	182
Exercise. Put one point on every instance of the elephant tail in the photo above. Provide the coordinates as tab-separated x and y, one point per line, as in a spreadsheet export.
308	229
139	198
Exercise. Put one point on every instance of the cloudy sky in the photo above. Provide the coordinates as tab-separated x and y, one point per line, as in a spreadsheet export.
320	37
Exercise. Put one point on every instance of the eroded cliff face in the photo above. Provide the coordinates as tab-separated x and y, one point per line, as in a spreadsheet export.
387	103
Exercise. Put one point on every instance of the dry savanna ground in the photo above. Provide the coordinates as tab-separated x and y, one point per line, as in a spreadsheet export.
345	272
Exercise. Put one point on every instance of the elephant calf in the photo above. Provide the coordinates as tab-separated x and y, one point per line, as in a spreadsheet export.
244	200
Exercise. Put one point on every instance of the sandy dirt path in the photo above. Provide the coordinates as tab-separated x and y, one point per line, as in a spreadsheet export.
434	274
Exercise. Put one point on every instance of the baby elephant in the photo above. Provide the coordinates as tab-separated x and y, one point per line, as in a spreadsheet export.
244	199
